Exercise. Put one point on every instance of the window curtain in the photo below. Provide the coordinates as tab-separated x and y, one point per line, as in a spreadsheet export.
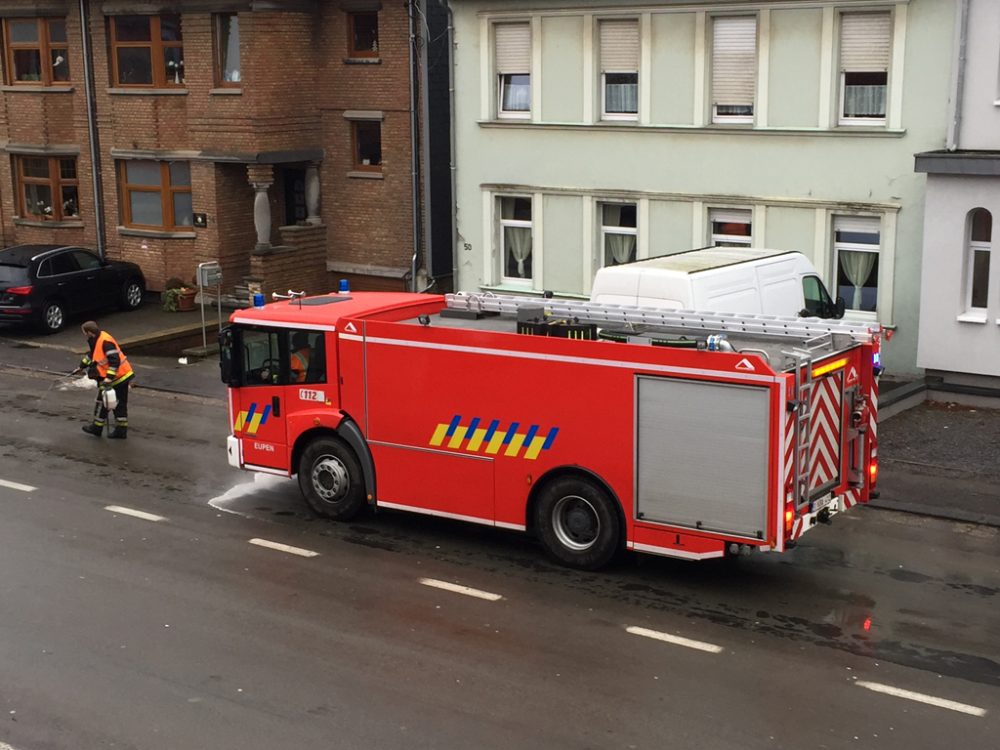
864	101
620	247
518	243
517	240
516	95
621	97
856	267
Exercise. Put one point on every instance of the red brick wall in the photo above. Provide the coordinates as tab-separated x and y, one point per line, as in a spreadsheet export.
298	264
296	87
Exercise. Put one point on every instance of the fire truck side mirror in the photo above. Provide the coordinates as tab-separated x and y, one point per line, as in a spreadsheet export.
228	367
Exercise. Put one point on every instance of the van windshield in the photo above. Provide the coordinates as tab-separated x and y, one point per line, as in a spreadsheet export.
10	274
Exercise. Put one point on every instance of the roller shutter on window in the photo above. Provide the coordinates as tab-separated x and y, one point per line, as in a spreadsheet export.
513	47
865	40
619	46
734	59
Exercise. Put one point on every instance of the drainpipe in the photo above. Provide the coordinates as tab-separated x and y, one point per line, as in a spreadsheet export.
451	134
414	148
425	141
958	79
95	164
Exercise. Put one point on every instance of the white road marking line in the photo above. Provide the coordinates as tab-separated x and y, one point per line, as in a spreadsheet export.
5	746
674	639
284	548
16	486
921	698
135	513
454	587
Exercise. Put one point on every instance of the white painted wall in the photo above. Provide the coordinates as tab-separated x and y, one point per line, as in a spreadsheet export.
795	173
980	125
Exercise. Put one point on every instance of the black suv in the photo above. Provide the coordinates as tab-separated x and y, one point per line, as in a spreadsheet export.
44	284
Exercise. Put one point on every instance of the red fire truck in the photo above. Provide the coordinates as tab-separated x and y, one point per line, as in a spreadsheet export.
595	427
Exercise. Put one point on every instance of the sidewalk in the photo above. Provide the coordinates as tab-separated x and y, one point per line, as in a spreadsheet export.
935	459
140	334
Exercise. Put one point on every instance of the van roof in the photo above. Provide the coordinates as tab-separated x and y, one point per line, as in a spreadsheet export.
693	261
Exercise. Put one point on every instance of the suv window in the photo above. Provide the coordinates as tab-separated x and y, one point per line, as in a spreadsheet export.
86	260
58	265
10	274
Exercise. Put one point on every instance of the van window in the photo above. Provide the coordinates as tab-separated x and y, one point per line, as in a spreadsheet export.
818	303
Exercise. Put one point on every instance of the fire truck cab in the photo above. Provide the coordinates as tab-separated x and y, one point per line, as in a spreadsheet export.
595	427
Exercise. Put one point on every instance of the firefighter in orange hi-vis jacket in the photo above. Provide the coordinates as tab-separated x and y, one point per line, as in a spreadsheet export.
106	363
299	364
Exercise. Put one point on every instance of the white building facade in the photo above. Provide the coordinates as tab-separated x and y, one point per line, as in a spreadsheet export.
960	292
592	133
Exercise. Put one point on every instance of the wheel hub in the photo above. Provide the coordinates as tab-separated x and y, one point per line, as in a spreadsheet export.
576	523
330	479
54	317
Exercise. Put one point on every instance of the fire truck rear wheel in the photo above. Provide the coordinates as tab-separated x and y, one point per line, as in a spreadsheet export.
578	523
331	479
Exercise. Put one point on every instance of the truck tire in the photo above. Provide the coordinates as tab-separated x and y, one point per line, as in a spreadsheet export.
331	480
578	523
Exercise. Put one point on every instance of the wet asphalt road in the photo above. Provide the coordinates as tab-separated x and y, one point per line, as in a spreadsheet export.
122	632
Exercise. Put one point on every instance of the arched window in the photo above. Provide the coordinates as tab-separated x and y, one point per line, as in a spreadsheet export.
980	231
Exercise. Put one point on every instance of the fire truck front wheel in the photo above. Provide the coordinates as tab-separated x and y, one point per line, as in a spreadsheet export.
578	523
331	479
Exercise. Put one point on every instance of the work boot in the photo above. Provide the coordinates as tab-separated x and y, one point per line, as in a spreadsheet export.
93	429
119	433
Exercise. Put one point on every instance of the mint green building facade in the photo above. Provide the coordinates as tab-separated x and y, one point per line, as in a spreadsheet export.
590	133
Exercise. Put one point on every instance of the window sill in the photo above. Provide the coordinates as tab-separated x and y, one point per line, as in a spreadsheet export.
148	92
973	317
156	233
362	61
45	223
366	175
507	121
28	89
226	91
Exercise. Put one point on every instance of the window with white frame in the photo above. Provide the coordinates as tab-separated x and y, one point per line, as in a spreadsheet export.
734	68
515	238
856	245
730	228
620	69
513	66
980	234
619	233
865	42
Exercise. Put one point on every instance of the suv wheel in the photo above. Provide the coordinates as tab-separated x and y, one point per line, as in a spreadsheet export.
53	317
132	292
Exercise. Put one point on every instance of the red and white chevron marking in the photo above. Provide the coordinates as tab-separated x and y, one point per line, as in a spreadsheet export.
825	432
790	456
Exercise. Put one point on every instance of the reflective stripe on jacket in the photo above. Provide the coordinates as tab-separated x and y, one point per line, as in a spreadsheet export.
110	360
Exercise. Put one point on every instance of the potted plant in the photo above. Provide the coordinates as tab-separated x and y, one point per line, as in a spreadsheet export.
178	296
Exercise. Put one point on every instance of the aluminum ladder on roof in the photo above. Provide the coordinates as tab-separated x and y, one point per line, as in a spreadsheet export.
583	310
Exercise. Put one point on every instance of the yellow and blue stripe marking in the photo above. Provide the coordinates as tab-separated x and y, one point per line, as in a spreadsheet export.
493	440
249	421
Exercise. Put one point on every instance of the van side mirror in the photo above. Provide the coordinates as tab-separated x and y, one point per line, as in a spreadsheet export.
838	308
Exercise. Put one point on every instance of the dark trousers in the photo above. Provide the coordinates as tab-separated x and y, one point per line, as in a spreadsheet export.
121	410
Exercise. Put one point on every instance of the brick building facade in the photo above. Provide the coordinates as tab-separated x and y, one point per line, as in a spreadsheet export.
273	137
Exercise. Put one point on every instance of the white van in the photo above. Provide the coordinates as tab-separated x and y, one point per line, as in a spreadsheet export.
720	279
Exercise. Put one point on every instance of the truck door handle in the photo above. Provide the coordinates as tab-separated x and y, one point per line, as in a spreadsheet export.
276	406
